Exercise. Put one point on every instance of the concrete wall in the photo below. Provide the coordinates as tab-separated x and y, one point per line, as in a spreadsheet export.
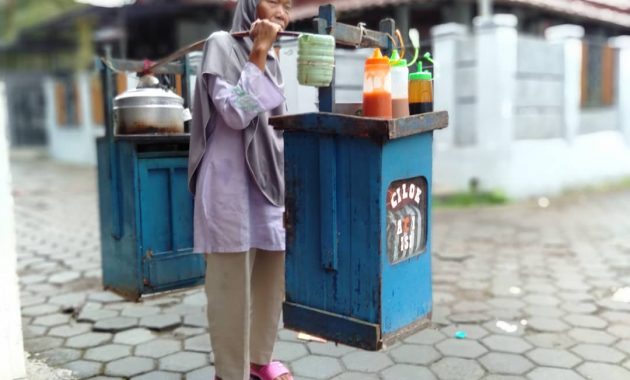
514	104
11	347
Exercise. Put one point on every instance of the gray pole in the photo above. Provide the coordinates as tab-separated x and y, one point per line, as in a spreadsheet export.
485	8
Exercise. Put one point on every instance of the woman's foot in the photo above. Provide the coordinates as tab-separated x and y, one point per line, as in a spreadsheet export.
271	371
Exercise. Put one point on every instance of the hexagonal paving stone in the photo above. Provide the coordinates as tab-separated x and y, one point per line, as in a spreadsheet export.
317	367
463	348
197	299
614	316
31	301
510	364
598	353
105	297
456	368
427	336
139	311
553	358
94	315
52	320
115	324
84	369
185	332
547	324
544	311
158	375
588	321
470	306
289	351
32	279
366	361
59	356
624	346
440	315
42	343
605	303
88	340
67	331
541	300
68	299
196	320
506	343
288	335
129	367
205	373
469	317
134	336
35	311
506	303
550	340
539	287
591	336
594	371
183	362
579	307
414	354
397	372
161	322
200	343
356	376
64	277
158	348
472	331
503	377
621	331
329	349
545	373
502	327
107	353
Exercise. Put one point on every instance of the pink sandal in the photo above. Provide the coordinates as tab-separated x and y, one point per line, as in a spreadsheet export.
270	371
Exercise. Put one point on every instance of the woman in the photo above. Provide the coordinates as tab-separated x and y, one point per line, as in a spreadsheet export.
236	173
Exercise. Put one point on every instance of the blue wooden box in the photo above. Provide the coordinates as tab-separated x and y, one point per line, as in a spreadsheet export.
146	214
358	206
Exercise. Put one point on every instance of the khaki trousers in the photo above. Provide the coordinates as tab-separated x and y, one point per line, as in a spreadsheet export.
245	291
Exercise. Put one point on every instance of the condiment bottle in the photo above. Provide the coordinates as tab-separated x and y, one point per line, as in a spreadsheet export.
377	87
400	85
420	91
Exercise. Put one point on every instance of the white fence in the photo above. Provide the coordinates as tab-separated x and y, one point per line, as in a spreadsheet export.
516	123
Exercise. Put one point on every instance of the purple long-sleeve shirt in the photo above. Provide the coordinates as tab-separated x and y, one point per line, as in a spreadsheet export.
231	214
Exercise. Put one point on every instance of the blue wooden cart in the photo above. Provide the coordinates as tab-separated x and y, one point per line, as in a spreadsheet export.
358	207
145	208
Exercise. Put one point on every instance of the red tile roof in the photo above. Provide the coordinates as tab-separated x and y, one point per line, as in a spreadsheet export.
608	11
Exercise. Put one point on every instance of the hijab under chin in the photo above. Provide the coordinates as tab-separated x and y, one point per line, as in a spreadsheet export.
225	56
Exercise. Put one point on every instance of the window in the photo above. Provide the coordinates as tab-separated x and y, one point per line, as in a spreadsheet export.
599	74
67	102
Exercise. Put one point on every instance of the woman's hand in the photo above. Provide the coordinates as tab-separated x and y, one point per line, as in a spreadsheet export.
264	34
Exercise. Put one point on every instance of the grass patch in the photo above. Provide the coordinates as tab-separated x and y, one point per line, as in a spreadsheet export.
470	199
603	187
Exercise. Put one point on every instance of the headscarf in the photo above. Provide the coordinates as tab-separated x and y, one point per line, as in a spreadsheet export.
225	56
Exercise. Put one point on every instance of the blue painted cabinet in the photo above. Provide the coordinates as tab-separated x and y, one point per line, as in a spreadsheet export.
146	215
358	209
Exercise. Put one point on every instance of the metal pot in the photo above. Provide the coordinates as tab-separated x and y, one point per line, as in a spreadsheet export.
149	109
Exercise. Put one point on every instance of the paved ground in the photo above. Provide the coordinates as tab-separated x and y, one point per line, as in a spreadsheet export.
541	293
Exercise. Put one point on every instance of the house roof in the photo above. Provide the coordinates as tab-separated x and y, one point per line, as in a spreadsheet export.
609	11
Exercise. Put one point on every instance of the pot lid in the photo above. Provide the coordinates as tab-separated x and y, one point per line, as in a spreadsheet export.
149	89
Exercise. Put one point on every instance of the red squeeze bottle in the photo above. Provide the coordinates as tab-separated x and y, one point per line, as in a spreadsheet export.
377	87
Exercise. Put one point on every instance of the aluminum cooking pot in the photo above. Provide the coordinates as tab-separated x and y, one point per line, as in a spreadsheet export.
149	109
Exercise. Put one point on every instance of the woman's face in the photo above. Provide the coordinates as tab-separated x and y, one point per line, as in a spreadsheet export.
276	11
